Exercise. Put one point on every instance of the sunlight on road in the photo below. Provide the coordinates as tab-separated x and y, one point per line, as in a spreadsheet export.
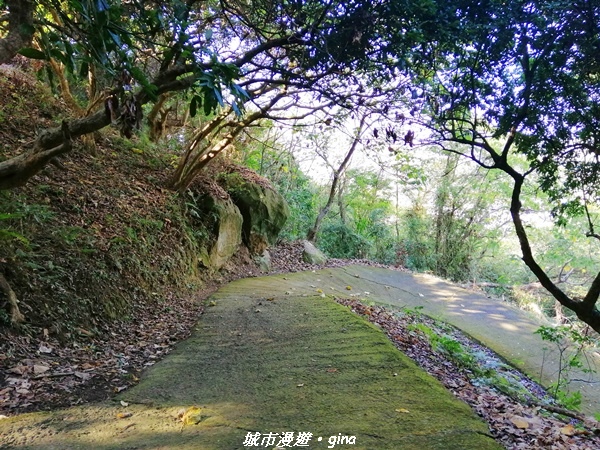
509	326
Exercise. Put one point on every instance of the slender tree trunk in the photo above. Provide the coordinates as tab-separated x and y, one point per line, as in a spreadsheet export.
219	129
65	88
340	197
337	174
157	118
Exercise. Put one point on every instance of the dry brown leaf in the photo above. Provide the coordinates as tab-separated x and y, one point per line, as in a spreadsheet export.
83	375
38	369
18	370
124	415
568	430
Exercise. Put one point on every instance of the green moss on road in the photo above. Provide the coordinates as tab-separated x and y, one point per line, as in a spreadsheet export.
288	364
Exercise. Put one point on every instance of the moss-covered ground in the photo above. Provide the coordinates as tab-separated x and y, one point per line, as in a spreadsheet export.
276	363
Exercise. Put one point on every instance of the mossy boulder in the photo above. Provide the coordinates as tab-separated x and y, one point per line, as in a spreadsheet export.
263	261
312	255
263	209
227	228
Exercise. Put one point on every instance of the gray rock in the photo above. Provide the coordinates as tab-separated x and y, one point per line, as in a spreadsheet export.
264	261
312	255
228	230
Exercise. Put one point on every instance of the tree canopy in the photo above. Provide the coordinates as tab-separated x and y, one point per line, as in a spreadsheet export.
527	83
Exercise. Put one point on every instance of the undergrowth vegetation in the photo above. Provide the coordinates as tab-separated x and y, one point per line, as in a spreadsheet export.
97	235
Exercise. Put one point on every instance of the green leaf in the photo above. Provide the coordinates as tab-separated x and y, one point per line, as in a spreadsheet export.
8	235
32	53
210	103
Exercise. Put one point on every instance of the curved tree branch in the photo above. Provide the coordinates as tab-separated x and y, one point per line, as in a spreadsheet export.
586	310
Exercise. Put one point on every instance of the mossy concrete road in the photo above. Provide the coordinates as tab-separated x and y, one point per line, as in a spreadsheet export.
503	328
272	360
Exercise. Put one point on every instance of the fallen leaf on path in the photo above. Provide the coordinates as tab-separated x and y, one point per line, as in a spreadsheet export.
18	370
83	375
402	410
124	415
568	430
37	369
519	422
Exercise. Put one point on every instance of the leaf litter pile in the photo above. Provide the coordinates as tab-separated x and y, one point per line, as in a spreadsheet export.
520	414
39	373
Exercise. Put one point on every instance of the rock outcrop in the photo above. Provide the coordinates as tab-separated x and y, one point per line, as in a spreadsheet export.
312	255
237	206
264	210
226	221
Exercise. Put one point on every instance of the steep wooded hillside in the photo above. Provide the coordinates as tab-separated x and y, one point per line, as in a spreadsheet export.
96	236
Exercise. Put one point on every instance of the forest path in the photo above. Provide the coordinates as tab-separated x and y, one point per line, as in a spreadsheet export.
499	326
271	356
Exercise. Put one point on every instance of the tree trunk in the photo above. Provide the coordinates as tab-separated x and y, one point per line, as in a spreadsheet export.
157	118
585	309
311	236
20	29
340	197
16	171
65	88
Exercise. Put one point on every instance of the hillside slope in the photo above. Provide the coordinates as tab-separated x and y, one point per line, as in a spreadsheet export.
98	253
